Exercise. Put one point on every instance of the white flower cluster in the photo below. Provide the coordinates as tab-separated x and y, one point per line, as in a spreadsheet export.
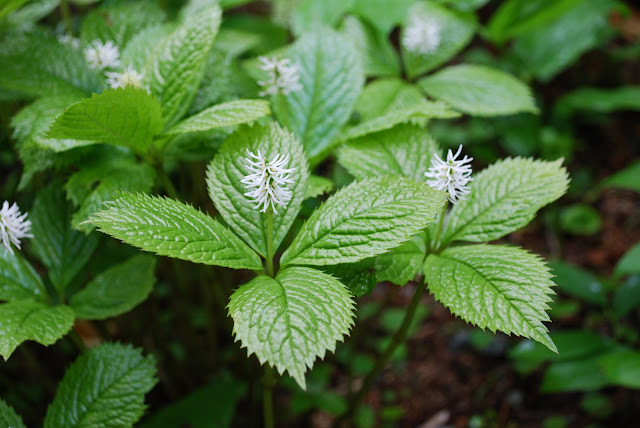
283	78
451	175
101	56
68	39
13	226
129	77
422	35
267	180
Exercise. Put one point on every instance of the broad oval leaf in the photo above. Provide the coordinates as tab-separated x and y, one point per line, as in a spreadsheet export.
229	167
331	76
171	228
104	387
363	220
18	279
23	320
291	320
479	90
505	197
496	287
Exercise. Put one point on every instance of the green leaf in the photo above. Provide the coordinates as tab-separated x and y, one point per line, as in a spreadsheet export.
380	14
311	15
177	66
384	96
628	178
403	150
141	47
580	219
455	31
18	279
579	283
574	376
496	287
127	117
401	264
363	220
9	417
229	167
292	319
600	100
331	76
104	387
505	197
630	262
63	250
116	290
627	296
24	320
317	185
171	228
359	278
479	90
622	368
227	114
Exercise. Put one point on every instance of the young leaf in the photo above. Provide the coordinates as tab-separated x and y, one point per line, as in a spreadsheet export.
331	76
63	250
18	279
479	90
9	417
363	220
505	197
292	319
227	114
171	228
403	150
104	387
499	287
116	290
229	167
24	320
127	117
177	67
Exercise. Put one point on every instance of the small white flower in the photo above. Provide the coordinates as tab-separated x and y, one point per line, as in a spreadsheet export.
130	77
68	39
283	76
13	226
451	176
102	55
268	180
422	35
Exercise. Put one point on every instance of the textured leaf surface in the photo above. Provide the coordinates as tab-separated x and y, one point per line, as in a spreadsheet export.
116	290
18	279
496	287
9	417
63	251
226	114
479	90
505	197
177	67
128	117
317	185
363	220
331	76
104	387
403	150
171	228
291	320
228	168
24	320
401	264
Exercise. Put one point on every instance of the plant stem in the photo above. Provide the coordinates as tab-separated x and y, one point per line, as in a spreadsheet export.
77	341
66	16
436	242
268	383
166	182
269	267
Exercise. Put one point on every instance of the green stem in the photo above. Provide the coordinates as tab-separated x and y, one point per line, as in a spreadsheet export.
66	16
270	250
166	182
436	242
268	383
77	341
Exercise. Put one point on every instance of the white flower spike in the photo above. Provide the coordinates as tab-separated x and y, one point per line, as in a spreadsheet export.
267	180
451	176
130	77
102	55
283	76
68	39
13	226
422	35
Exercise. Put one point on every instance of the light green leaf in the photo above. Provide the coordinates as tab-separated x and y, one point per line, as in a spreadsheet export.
141	47
292	319
171	228
630	262
127	117
363	220
455	31
9	417
317	185
504	198
384	96
403	150
622	368
226	114
18	279
331	76
600	100
359	278
104	387
479	90
229	167
24	320
401	264
63	250
380	14
177	66
116	290
628	178
311	15
496	287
